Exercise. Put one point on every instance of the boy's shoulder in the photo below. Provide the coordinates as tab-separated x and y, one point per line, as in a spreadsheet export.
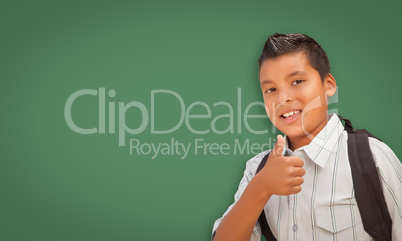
382	152
375	142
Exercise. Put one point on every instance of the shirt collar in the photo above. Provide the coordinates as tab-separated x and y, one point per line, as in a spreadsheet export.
323	144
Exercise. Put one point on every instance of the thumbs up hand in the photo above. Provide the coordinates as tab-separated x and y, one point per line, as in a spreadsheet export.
281	175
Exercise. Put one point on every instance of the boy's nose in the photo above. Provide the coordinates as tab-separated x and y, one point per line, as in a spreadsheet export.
284	97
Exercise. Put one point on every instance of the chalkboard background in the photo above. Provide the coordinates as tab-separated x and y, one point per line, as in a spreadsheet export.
135	75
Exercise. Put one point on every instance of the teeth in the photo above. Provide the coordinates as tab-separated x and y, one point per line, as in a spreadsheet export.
291	113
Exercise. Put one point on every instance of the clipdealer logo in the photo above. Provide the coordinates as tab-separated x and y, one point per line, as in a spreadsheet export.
116	115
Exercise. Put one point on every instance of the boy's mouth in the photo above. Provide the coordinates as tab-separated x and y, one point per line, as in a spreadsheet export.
291	115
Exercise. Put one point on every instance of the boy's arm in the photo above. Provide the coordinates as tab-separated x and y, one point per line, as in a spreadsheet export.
239	222
249	173
390	173
280	176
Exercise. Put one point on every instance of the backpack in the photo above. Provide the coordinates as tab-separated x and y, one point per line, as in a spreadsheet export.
368	192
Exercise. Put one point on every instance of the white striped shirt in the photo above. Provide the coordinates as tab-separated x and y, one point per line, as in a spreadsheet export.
326	208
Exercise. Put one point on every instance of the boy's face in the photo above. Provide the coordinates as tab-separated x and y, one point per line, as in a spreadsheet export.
290	84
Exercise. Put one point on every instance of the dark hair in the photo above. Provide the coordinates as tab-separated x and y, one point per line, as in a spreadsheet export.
281	44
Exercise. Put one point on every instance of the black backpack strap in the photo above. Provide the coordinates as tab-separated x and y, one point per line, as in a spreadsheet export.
349	128
368	192
262	220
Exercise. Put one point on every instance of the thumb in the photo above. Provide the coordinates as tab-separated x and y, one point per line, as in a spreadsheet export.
279	145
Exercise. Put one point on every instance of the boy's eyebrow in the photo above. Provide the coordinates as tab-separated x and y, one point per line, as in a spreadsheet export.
297	72
265	82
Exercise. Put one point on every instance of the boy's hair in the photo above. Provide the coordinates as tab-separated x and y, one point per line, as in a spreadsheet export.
281	44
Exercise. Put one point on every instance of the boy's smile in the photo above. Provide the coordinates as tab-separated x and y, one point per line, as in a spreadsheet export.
295	97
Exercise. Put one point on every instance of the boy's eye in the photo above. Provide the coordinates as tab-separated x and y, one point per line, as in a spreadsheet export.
298	81
269	90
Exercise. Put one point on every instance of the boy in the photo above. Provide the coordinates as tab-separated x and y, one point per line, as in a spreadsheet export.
305	188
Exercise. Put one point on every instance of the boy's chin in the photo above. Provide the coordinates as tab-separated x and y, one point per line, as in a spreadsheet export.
295	133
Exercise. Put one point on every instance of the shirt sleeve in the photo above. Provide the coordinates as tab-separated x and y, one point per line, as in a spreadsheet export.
251	168
389	171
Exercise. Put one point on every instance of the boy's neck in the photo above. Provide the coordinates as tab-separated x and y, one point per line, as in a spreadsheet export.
296	142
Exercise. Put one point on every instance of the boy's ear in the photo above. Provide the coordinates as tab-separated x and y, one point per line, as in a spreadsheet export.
330	85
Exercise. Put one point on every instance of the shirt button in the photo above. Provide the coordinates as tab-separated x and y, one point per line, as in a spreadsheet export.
294	227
